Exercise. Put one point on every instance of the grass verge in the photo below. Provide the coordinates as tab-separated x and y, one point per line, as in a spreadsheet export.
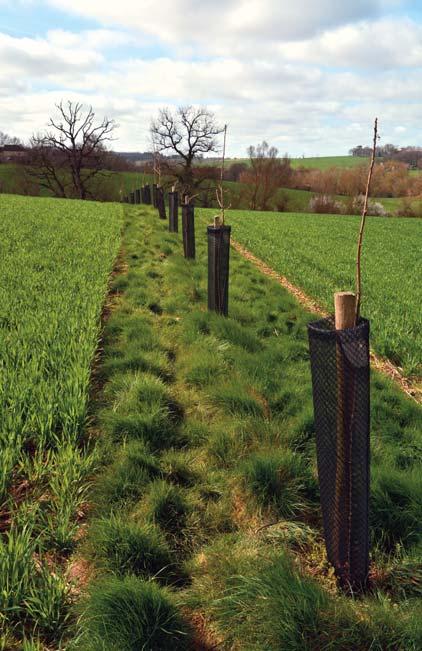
206	509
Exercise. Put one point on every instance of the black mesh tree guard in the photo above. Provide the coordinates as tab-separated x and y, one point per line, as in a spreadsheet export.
154	195
188	228
137	196
218	268
131	197
173	212
161	203
340	384
147	189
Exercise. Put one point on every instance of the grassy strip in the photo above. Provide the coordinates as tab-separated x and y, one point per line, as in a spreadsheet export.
206	527
56	257
317	253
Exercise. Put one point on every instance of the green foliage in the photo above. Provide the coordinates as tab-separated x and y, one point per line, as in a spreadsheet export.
129	614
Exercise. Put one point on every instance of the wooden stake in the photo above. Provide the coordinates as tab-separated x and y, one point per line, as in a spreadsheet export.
344	313
344	310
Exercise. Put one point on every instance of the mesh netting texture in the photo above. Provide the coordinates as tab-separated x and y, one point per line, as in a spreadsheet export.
188	228
161	204
147	199
154	195
340	384
137	196
173	212
218	268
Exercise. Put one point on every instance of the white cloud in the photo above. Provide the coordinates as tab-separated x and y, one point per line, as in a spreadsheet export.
386	43
307	76
210	25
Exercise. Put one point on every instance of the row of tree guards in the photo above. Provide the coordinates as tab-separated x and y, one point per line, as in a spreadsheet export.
339	355
218	239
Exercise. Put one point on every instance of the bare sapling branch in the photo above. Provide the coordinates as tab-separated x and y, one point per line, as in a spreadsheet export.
219	219
362	224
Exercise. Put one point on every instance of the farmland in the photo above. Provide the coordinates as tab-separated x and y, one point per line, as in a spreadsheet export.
317	253
184	512
314	162
205	530
55	260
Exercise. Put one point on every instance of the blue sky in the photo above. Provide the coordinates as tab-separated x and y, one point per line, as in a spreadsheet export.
307	76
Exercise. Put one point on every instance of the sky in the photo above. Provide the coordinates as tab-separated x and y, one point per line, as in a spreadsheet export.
308	76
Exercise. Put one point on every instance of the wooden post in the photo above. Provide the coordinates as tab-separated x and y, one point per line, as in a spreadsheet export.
344	310
344	313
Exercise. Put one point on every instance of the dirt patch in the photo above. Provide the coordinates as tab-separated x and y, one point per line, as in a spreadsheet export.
203	638
411	388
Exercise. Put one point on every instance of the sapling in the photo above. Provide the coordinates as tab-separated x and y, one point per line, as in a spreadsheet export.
347	304
219	219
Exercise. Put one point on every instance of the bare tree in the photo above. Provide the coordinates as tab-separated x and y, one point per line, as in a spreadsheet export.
188	134
72	152
5	139
265	175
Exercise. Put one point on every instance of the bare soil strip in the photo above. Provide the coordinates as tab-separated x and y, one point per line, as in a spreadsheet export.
412	388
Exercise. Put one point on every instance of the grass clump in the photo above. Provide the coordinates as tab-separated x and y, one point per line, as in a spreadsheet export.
125	480
141	409
396	507
129	614
167	506
277	479
122	546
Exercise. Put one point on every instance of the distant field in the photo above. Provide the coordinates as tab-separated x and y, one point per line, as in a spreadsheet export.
317	252
325	162
317	162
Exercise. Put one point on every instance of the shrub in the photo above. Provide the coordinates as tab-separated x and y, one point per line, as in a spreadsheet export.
375	208
322	203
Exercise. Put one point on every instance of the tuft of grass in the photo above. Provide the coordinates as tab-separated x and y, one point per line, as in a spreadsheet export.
396	507
142	409
277	479
122	546
129	614
166	505
236	400
125	480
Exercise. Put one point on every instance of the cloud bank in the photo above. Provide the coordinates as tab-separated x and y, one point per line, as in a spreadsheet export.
307	76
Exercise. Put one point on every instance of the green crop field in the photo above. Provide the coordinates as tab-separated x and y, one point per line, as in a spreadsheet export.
55	261
317	253
325	162
316	162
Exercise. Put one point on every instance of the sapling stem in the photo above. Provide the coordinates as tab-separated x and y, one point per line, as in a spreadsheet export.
219	219
362	224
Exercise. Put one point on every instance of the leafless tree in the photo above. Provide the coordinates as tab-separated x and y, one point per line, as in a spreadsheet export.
72	152
265	175
187	134
5	139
